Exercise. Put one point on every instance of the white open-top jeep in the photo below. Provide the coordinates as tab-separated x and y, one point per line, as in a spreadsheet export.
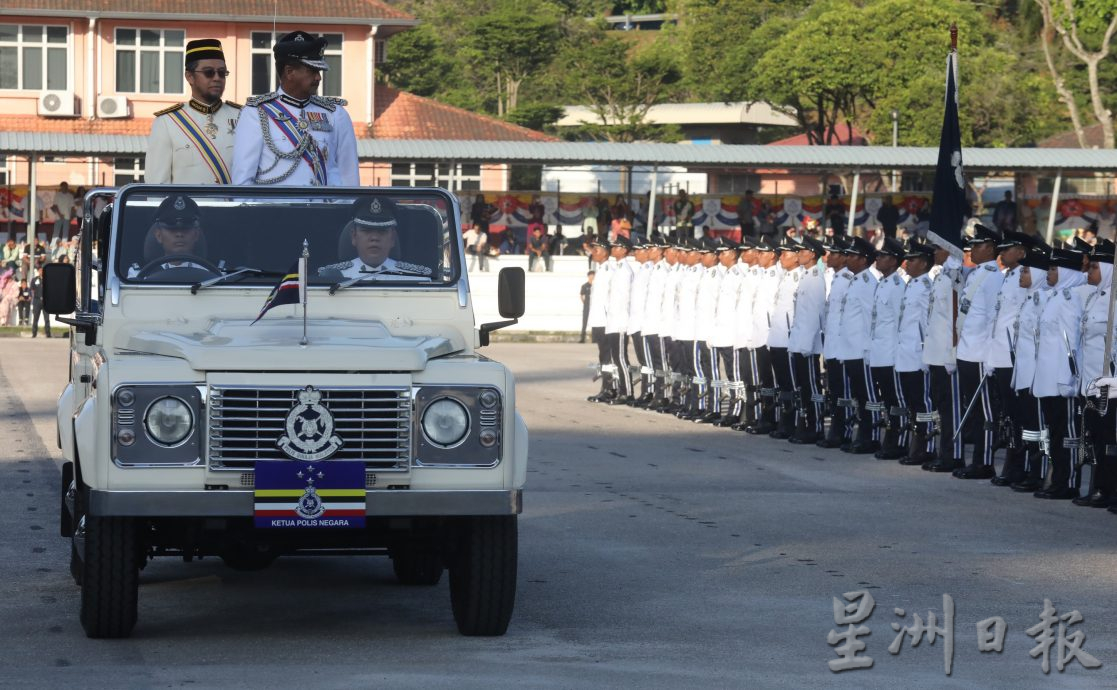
355	416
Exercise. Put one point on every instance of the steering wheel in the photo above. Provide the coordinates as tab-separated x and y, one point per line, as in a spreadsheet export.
156	264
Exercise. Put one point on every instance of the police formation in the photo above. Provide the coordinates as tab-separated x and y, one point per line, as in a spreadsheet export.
906	352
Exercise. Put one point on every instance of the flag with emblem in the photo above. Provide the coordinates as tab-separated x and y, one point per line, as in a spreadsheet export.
948	205
287	292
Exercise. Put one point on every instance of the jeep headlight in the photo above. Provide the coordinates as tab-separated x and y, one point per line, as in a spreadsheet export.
168	421
445	422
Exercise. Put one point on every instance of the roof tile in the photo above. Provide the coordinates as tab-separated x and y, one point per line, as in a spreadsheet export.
402	115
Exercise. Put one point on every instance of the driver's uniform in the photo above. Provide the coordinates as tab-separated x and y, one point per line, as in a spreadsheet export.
134	269
355	268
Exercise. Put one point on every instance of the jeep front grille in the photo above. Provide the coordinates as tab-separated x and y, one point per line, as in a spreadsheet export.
245	425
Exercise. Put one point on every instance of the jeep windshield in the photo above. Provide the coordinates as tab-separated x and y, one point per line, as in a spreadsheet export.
219	236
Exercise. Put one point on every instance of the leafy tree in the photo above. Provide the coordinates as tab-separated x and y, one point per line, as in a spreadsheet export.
515	43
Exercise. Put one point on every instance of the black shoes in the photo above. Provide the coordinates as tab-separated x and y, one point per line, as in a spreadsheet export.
976	472
890	454
862	447
1061	493
1027	486
1094	500
939	466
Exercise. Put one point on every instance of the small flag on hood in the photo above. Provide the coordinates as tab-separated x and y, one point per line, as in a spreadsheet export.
287	292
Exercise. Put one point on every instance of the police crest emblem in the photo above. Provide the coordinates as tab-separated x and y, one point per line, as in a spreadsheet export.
310	504
310	429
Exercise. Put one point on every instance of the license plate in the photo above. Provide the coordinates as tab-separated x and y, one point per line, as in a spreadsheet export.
292	493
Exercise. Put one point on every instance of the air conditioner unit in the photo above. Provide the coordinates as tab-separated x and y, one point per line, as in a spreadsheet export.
59	104
113	107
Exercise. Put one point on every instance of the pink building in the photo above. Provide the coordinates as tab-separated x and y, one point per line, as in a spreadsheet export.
102	68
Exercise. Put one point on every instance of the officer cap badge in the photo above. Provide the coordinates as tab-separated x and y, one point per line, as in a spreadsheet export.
180	204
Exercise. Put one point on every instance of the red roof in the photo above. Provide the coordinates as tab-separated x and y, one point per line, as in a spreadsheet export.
841	133
1069	140
402	115
342	9
399	115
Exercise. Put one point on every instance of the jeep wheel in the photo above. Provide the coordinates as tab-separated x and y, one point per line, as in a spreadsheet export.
483	576
110	577
420	568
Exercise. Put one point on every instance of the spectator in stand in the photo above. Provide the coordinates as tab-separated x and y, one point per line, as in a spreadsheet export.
538	247
587	287
480	214
76	210
11	255
559	243
37	305
476	247
746	213
836	214
604	216
620	227
888	216
23	303
684	217
63	202
1004	214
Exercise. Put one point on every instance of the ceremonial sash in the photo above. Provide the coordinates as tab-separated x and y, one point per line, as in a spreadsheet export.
204	145
284	119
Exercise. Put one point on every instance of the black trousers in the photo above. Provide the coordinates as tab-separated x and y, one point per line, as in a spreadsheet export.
685	354
1102	432
585	318
746	363
730	376
805	374
637	340
862	389
765	380
837	386
888	389
707	371
1031	419
979	426
656	346
946	396
915	397
36	310
1060	416
618	357
24	309
1008	422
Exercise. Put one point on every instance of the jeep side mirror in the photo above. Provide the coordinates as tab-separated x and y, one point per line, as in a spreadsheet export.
510	301
60	289
510	292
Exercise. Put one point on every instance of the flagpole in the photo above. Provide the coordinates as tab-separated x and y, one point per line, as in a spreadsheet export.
302	285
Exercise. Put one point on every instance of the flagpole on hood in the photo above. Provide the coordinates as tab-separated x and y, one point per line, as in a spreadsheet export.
948	205
302	285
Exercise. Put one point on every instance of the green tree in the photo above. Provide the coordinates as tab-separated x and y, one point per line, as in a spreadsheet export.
515	43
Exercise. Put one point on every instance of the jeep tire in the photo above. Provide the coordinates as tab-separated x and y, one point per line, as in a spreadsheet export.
483	575
110	577
418	568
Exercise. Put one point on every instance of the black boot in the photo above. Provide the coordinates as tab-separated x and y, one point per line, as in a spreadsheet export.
786	423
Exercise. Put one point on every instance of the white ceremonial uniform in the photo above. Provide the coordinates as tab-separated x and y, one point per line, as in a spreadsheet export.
746	296
833	317
763	301
708	289
173	153
977	310
856	317
356	267
938	336
810	305
1091	348
620	293
1025	333
686	316
725	315
1009	300
1062	313
783	307
259	139
912	327
599	294
638	296
653	303
885	320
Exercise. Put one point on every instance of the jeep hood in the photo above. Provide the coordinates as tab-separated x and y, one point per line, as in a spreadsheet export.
274	345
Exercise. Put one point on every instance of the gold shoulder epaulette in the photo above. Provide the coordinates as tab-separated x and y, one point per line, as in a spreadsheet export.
238	106
164	111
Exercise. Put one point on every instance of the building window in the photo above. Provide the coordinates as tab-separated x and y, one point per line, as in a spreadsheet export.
263	64
127	171
465	177
150	61
34	58
380	51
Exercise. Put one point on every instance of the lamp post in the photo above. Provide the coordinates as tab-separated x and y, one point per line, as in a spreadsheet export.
895	140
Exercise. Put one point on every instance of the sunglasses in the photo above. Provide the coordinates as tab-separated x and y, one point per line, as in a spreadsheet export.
210	72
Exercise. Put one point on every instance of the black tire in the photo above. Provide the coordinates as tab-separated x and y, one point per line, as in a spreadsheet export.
483	576
110	577
77	530
417	568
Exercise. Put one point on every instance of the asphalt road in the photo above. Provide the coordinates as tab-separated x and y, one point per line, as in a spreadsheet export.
653	553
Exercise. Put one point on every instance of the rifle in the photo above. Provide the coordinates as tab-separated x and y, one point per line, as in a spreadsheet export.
969	408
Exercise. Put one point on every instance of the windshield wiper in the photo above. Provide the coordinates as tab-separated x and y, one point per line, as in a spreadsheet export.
239	273
371	275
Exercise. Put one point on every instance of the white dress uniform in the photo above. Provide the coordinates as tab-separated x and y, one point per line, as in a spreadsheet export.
763	302
1007	309
725	315
274	126
885	321
832	322
638	297
599	293
938	337
1091	350
1024	331
805	337
687	303
912	325
620	293
653	303
977	310
746	296
197	150
389	269
783	307
855	317
1059	324
709	287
